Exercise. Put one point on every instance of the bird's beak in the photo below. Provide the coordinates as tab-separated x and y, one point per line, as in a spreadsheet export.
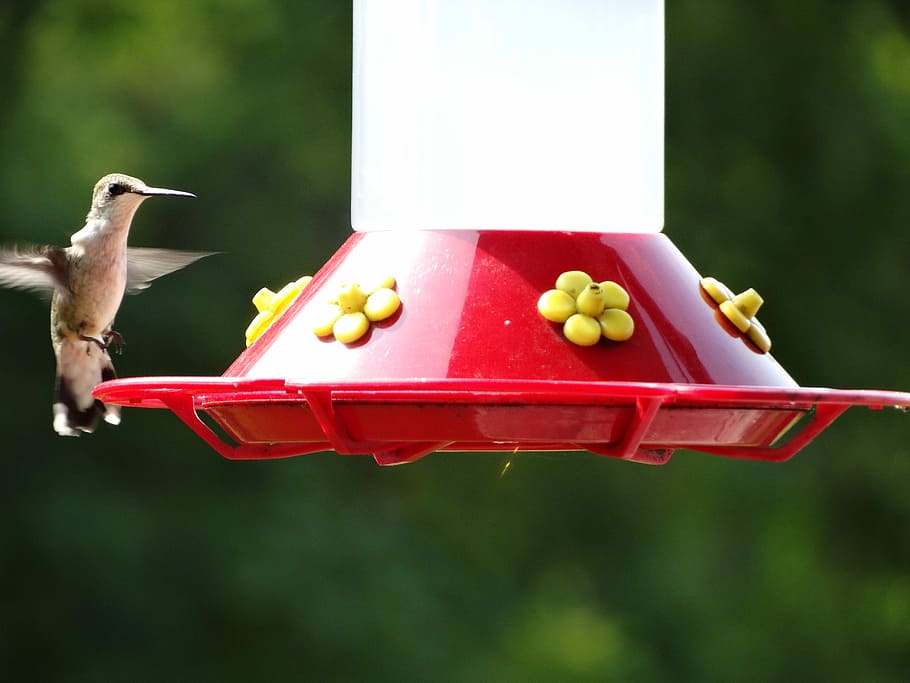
163	192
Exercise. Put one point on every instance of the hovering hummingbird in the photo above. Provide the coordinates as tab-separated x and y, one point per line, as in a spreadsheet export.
86	282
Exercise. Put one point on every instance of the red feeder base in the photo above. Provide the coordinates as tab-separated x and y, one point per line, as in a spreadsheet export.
469	364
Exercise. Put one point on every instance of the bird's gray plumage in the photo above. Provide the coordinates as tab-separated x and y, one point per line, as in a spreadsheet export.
38	269
86	283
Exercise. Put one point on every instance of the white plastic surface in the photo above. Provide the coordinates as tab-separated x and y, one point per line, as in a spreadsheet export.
512	114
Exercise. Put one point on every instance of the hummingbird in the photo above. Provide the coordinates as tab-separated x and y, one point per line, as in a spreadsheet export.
86	282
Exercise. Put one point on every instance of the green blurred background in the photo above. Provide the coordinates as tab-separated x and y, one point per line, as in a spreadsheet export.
138	553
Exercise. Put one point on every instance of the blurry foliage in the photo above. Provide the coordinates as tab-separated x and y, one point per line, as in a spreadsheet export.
139	553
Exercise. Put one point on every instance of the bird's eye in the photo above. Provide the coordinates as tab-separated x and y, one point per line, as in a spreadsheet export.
115	188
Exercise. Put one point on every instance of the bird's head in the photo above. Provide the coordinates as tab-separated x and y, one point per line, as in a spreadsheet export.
118	195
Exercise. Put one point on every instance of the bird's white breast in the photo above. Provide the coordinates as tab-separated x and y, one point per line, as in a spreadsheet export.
97	280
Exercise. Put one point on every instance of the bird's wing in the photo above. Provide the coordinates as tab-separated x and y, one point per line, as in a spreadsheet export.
144	265
38	269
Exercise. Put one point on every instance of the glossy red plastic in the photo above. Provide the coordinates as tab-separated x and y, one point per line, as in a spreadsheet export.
469	364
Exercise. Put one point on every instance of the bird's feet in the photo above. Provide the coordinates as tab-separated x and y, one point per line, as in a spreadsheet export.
99	342
111	339
115	340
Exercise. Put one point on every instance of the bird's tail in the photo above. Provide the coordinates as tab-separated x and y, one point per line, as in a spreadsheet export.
81	366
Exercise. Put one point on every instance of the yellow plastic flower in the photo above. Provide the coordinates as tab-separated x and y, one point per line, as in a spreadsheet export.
349	315
271	305
740	310
588	310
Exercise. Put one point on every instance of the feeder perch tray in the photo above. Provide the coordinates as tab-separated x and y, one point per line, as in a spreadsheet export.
468	363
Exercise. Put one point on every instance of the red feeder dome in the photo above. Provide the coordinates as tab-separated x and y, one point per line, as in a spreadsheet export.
469	364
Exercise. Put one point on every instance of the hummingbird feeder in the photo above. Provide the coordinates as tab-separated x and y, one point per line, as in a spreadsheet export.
507	286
